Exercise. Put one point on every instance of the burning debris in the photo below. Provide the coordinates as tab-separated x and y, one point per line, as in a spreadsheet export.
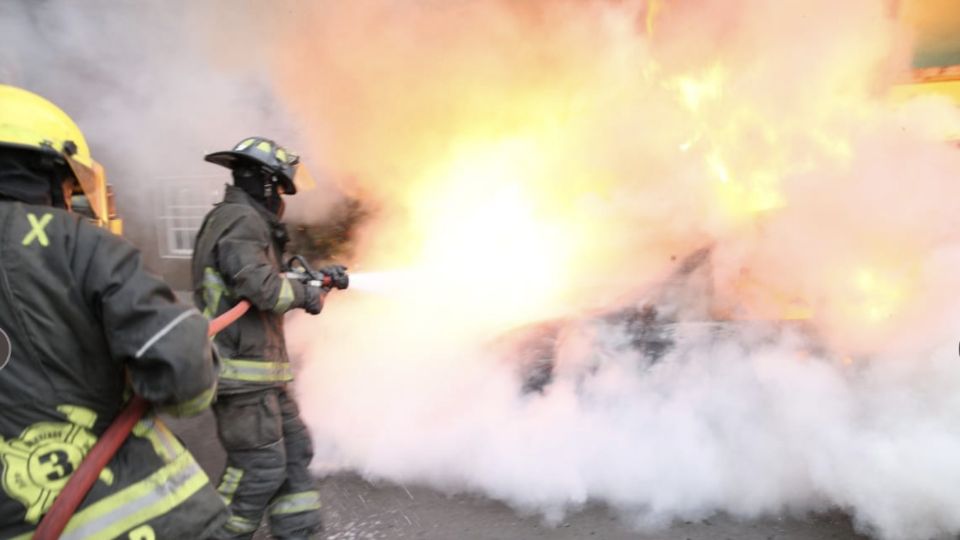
653	327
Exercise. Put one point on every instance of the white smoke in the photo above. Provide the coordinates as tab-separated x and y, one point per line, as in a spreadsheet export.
154	86
719	425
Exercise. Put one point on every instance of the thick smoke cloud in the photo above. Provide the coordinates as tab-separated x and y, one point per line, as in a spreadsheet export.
154	86
561	161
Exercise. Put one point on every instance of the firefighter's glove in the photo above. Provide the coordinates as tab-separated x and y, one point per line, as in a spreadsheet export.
313	299
338	276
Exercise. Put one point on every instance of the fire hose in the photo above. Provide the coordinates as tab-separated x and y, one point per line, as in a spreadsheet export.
103	451
73	493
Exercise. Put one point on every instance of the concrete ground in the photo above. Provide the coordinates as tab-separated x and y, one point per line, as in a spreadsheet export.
355	509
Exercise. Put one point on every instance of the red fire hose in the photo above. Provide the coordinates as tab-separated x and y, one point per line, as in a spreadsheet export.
103	451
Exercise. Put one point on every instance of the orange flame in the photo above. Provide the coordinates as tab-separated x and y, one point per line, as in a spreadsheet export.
542	159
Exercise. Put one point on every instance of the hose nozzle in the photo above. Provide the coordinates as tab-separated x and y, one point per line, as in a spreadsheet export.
328	277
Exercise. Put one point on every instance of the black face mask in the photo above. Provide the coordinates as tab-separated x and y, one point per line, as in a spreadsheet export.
261	186
33	178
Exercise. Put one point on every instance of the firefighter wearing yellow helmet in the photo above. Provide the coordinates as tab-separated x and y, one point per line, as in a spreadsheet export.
81	325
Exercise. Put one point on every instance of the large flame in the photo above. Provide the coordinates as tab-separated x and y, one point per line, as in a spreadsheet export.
530	160
483	232
543	161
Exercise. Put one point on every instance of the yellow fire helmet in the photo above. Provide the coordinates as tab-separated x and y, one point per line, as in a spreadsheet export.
31	122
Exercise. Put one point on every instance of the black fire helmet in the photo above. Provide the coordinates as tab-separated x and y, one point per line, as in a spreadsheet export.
276	160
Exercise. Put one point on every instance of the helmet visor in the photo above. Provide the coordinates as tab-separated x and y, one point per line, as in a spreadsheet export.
93	182
302	179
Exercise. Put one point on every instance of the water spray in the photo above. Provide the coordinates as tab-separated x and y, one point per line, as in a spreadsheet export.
335	277
380	282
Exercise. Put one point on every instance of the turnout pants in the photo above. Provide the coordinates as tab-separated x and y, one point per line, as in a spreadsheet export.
268	452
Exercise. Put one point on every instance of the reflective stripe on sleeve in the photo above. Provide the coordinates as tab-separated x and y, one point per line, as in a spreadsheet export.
295	503
255	370
164	331
285	298
192	406
214	288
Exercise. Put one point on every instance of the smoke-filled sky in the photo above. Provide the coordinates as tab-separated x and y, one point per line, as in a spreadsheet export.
545	161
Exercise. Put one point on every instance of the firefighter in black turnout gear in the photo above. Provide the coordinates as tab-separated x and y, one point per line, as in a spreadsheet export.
238	255
81	325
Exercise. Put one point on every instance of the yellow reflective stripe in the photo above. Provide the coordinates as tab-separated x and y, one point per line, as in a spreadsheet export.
255	370
244	144
229	484
192	406
240	525
285	298
295	503
147	499
214	288
164	442
37	229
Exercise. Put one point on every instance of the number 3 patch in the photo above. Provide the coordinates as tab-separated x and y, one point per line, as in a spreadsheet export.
37	465
4	349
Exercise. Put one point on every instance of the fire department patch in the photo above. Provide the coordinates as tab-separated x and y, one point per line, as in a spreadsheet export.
39	463
4	349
